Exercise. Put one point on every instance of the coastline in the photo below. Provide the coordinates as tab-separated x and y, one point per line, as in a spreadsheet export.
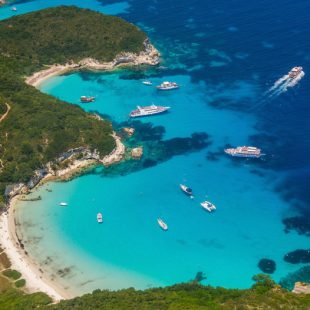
150	56
36	281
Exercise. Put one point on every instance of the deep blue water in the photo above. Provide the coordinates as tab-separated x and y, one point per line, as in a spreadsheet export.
225	54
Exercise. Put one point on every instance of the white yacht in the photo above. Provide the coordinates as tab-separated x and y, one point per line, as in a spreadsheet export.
63	204
148	110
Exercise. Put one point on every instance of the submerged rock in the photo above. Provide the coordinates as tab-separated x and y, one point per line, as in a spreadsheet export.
267	265
298	256
137	152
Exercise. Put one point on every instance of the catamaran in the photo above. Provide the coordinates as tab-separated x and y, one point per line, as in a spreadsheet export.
207	205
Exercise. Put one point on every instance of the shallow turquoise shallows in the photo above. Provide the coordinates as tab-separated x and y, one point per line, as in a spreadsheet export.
224	59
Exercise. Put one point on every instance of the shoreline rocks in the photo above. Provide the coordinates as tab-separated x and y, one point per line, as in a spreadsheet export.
149	56
137	152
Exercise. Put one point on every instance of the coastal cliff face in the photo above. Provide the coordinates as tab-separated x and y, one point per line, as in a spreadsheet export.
40	128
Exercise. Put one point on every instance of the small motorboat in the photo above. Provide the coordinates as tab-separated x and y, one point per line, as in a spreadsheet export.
187	190
87	99
14	9
147	82
162	224
99	218
207	205
63	204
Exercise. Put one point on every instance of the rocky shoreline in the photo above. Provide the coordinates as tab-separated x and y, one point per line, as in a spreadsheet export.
149	56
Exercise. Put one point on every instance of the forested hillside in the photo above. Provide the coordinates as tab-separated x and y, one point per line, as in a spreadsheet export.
40	127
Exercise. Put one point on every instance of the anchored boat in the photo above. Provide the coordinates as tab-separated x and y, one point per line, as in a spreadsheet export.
99	218
87	99
187	190
148	110
244	151
147	82
167	86
162	224
207	205
63	204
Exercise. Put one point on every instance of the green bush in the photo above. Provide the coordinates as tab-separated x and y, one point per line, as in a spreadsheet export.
20	283
12	274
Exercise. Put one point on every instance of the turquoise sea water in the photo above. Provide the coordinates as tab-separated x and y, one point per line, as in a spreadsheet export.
222	74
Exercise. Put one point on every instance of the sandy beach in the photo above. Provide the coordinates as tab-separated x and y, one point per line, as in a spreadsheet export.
36	280
149	57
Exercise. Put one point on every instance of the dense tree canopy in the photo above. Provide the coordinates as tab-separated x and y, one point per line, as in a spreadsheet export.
40	127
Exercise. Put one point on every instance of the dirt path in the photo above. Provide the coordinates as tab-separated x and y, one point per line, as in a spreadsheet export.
2	118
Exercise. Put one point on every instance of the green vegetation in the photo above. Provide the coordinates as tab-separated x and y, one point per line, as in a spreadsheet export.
2	108
39	127
58	35
190	296
14	299
12	274
20	283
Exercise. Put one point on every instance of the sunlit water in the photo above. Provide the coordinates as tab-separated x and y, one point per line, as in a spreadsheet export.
224	59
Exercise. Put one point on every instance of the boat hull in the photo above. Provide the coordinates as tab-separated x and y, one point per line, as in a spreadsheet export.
167	88
145	115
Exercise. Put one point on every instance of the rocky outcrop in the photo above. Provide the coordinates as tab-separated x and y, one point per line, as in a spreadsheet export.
301	288
129	131
137	152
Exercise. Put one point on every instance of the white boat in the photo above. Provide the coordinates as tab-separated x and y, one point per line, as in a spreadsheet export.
87	99
207	205
295	72
99	218
147	82
167	86
14	9
148	110
63	204
187	190
244	151
162	224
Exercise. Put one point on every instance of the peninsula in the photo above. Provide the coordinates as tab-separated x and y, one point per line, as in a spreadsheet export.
43	138
39	130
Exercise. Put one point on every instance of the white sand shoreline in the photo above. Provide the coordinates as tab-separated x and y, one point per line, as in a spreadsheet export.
148	57
36	280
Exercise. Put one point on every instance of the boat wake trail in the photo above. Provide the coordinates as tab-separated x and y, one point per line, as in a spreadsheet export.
280	86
